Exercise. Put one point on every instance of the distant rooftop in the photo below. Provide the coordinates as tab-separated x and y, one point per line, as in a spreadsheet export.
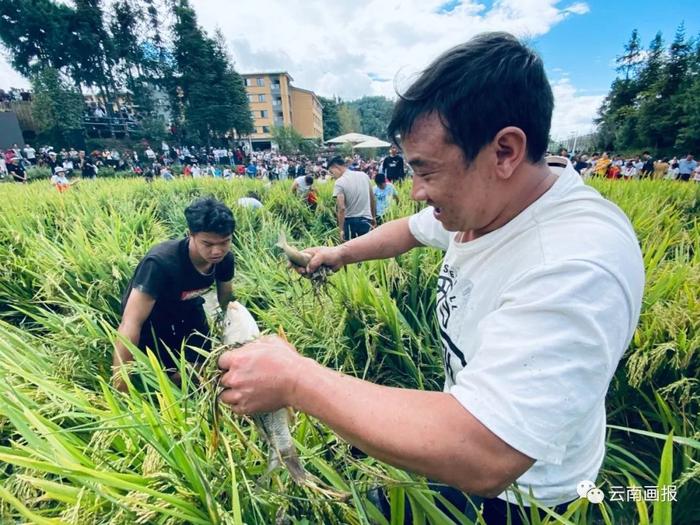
258	73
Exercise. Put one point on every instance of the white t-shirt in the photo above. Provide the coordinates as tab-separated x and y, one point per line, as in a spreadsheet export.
249	202
534	318
302	187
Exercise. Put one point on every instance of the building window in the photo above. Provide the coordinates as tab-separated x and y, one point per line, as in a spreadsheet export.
248	81
260	82
263	113
266	129
250	97
261	98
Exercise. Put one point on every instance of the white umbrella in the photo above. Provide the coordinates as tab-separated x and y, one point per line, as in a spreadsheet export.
353	138
373	143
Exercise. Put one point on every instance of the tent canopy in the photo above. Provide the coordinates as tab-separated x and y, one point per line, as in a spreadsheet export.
373	143
353	138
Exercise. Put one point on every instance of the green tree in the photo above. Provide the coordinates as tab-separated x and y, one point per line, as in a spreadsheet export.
652	105
629	61
375	114
349	118
287	138
210	95
688	138
34	34
57	107
331	121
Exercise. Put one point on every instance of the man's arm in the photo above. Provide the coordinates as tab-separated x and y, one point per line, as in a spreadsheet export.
389	240
295	185
430	433
138	308
340	213
224	293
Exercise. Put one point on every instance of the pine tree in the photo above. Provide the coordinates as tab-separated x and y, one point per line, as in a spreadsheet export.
211	95
331	121
57	107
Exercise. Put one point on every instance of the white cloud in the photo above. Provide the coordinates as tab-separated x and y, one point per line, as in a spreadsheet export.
334	47
366	47
9	77
573	112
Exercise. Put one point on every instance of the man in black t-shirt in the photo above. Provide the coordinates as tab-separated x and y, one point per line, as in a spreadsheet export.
17	171
162	305
393	167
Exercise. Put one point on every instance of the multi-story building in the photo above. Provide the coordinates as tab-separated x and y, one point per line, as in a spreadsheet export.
275	102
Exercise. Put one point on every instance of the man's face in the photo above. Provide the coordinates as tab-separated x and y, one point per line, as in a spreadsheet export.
393	151
211	247
465	197
336	171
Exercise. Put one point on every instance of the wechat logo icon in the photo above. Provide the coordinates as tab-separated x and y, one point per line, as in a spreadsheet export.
587	489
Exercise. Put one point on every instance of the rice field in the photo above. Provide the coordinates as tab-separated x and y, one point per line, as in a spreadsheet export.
73	451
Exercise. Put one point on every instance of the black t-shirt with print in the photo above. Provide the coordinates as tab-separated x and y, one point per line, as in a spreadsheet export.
393	168
167	274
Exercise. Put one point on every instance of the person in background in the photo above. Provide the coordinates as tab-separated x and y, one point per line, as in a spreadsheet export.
393	166
15	168
60	181
384	193
629	171
251	170
661	168
355	203
301	185
251	200
686	167
30	154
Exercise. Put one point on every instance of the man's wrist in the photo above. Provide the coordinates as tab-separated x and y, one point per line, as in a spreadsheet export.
303	374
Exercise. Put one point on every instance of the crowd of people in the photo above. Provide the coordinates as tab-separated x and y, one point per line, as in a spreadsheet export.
637	167
167	163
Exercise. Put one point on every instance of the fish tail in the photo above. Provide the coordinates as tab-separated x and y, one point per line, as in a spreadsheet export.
290	458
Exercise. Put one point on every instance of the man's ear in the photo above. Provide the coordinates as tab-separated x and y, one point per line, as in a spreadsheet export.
511	150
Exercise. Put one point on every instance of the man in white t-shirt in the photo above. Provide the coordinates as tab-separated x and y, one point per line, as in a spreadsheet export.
538	297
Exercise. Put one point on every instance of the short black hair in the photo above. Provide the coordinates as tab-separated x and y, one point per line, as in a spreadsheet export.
207	214
379	178
309	179
478	88
336	161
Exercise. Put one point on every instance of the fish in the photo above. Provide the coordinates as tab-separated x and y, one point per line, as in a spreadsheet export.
239	327
319	277
296	257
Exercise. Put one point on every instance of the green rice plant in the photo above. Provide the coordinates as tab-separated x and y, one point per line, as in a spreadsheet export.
74	451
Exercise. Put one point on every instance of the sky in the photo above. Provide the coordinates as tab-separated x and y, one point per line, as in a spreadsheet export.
351	48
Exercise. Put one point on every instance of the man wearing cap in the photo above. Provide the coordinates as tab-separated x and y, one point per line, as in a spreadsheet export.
17	171
355	203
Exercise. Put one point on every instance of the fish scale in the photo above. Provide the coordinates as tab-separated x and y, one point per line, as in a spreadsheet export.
239	328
